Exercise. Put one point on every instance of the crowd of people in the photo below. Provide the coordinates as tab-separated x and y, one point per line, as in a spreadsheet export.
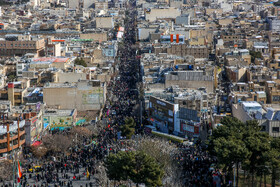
80	163
199	167
122	102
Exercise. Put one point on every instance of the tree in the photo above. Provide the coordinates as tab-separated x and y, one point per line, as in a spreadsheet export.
257	143
81	133
57	143
254	55
117	166
80	61
235	142
6	170
164	153
230	151
274	159
128	129
39	151
146	170
137	166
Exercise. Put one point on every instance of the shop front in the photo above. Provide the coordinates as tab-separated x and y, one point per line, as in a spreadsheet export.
163	115
190	129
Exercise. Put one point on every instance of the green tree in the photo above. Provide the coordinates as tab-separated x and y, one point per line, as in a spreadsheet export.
128	129
80	61
274	159
117	166
230	151
137	166
146	170
254	55
257	143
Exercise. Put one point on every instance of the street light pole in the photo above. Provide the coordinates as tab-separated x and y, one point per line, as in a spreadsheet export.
234	183
13	160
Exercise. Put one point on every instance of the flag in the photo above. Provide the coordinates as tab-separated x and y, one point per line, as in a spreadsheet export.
87	173
19	172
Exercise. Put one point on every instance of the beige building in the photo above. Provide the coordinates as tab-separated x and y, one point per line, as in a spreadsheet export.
15	91
101	37
184	50
190	79
162	13
104	22
19	45
71	77
83	96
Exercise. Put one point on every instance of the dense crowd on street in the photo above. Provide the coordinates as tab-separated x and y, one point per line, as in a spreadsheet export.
80	163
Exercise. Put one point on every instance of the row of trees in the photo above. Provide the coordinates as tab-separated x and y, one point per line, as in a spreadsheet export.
53	144
243	145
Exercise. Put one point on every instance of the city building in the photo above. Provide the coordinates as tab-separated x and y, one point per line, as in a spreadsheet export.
19	45
12	136
164	115
83	95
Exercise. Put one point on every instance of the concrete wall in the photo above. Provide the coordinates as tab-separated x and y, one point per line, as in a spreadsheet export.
73	4
84	98
239	113
95	36
104	22
155	13
209	85
70	77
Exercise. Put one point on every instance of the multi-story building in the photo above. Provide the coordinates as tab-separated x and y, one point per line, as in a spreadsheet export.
268	116
273	92
19	45
183	50
83	95
15	92
164	115
190	79
12	135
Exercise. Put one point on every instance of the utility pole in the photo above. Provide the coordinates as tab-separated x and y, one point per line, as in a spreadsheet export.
13	159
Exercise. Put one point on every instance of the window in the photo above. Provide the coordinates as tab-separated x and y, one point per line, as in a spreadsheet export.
263	128
275	129
276	98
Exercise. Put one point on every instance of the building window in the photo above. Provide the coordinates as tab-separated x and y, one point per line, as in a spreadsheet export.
275	129
263	128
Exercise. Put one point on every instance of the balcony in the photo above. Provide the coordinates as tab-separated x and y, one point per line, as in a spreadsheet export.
21	142
3	140
4	150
